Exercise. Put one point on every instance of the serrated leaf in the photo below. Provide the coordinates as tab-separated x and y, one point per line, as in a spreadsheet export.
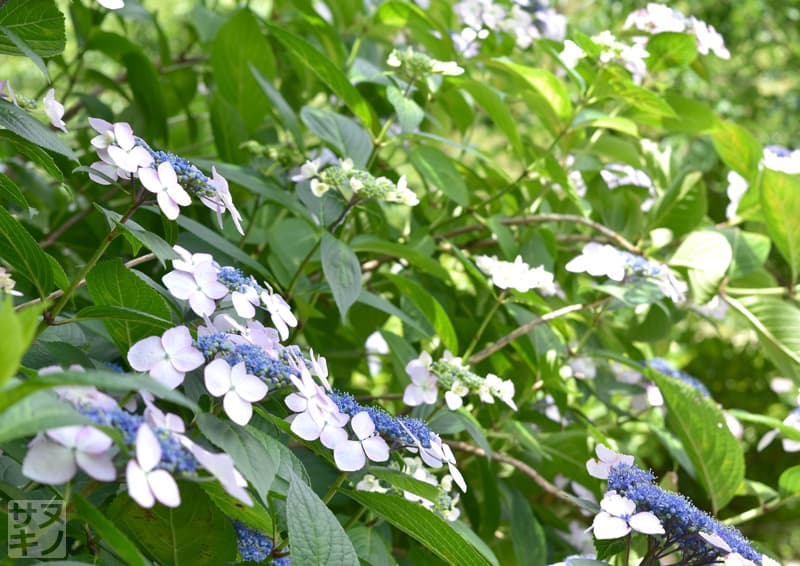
26	126
643	99
34	153
780	203
370	546
701	427
551	89
670	49
346	135
26	50
426	527
342	272
750	251
38	23
707	255
317	537
19	249
151	241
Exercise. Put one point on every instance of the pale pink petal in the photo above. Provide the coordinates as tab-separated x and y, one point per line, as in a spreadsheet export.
168	206
166	374
362	425
206	276
187	359
767	439
457	477
331	436
376	448
99	125
249	387
177	194
597	469
413	396
149	179
122	159
166	174
141	157
99	466
201	304
123	135
180	283
164	488
93	441
609	527
243	306
218	377
146	353
237	409
138	488
306	427
429	396
148	449
296	403
647	523
349	456
48	462
176	339
617	505
605	454
66	435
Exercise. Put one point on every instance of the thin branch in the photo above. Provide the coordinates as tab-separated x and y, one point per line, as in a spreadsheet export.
519	465
56	294
527	327
543	218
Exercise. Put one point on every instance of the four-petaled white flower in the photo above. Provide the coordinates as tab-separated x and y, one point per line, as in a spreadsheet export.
493	386
112	4
436	455
571	54
245	301
199	286
166	358
370	483
280	312
423	388
317	416
189	261
597	260
516	275
351	455
147	483
240	389
55	456
607	459
125	153
618	517
308	170
164	183
454	397
54	110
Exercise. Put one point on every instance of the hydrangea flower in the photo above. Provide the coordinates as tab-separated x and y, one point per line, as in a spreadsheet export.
147	483
599	260
55	456
164	183
516	275
238	388
199	286
351	455
606	459
7	283
166	358
54	110
317	416
423	388
280	312
125	152
618	517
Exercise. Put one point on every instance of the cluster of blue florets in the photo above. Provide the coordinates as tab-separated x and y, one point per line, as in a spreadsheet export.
235	279
682	521
255	546
401	430
273	370
189	176
662	366
174	457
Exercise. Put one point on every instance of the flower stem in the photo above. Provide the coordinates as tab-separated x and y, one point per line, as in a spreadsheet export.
335	487
484	324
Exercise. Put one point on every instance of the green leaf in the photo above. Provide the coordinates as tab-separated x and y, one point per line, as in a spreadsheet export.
26	126
527	535
551	89
239	46
19	249
257	460
110	283
608	548
35	413
317	537
9	189
38	23
683	206
431	308
26	50
700	425
409	114
381	304
107	531
671	49
750	251
34	153
146	87
342	272
138	233
497	109
418	259
437	169
343	133
789	482
257	516
18	331
595	119
786	430
369	546
284	111
423	525
400	480
737	148
328	73
170	536
780	203
643	99
707	255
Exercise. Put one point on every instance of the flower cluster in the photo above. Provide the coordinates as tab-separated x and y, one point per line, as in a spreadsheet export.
7	283
350	182
776	158
525	20
170	178
517	275
412	65
611	50
446	504
635	502
255	546
456	379
602	259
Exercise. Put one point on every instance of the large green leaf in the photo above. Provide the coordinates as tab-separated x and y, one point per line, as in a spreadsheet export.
750	251
682	207
26	126
170	536
343	133
110	283
317	537
737	148
342	272
35	413
20	250
700	425
707	255
328	73
257	460
11	192
780	203
370	546
497	109
108	532
430	308
428	528
417	259
527	534
438	170
549	87
18	330
671	49
38	23
409	113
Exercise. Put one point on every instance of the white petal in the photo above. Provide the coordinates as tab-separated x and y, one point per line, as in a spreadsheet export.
168	206
146	353
237	409
201	304
597	469
148	449
99	125
218	377
609	527
243	306
176	339
249	387
92	441
150	180
767	439
349	456
123	135
647	523
166	374
453	401
362	425
66	435
376	449
296	403
413	395
180	283
164	488
48	462
122	159
457	477
332	435
138	488
605	454
617	505
166	174
187	359
99	466
306	427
